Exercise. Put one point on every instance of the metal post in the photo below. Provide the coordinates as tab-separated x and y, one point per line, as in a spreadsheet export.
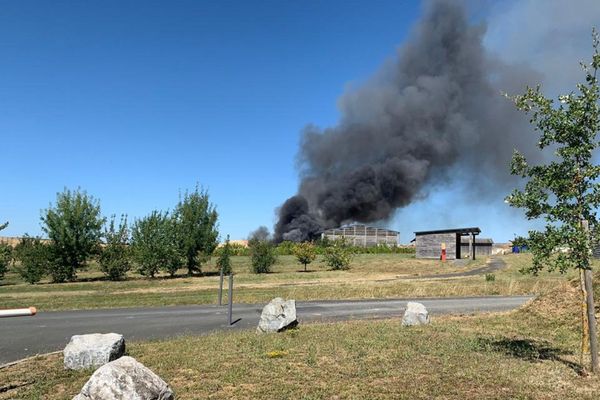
221	288
230	299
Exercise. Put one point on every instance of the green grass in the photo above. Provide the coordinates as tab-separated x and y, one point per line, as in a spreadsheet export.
527	354
371	276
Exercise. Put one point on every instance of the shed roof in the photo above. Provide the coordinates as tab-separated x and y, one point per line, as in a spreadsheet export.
462	231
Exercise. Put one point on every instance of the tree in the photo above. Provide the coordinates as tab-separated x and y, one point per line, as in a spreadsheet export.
74	226
224	260
154	245
6	256
338	255
115	256
262	255
305	253
197	233
566	191
35	259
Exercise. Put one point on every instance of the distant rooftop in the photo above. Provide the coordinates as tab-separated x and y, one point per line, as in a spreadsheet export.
461	231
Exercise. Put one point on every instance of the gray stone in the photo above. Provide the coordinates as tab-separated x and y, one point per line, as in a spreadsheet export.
415	314
278	316
93	350
123	379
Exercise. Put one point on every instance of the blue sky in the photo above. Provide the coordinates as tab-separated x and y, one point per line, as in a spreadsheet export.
136	100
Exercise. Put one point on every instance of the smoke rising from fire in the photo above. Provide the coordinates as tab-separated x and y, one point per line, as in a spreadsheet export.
435	110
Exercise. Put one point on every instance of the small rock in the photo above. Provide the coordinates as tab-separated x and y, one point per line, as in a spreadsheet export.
415	314
93	350
278	316
123	379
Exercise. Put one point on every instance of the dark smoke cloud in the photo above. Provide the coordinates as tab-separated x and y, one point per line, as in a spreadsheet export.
436	110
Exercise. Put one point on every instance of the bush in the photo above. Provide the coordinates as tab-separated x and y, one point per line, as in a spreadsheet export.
6	256
490	277
35	258
263	256
115	257
338	255
154	246
224	260
196	228
74	226
305	253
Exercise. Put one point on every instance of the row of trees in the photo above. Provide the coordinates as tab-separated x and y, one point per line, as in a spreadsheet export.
77	232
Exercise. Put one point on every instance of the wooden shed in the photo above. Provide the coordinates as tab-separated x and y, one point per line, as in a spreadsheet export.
429	243
363	235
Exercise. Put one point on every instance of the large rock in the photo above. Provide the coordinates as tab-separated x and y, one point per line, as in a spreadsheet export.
123	379
94	350
415	314
278	316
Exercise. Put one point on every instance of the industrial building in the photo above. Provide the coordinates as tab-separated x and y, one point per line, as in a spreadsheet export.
429	243
362	235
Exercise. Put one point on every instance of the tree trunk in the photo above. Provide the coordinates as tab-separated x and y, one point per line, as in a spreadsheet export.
585	341
588	291
591	317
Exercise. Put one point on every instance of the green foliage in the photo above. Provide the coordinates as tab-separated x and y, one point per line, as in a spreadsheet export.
224	260
262	256
338	255
305	253
520	241
490	277
115	256
6	256
74	226
285	248
154	245
565	191
196	223
35	258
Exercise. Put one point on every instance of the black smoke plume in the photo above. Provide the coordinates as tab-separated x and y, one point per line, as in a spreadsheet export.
434	111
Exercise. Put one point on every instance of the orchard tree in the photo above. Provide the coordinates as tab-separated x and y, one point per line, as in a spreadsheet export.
196	224
35	259
224	260
305	253
74	227
262	255
338	255
566	191
115	260
154	246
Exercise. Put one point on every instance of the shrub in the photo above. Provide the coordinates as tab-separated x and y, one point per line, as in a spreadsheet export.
154	246
305	253
6	256
115	257
338	255
262	255
35	258
224	260
74	226
490	277
196	228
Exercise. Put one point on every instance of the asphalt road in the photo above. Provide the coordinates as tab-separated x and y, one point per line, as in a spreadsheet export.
50	331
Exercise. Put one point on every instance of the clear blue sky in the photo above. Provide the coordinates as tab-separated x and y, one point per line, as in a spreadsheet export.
135	100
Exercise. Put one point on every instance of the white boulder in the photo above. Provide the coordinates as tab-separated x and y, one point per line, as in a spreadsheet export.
123	379
93	350
278	316
415	314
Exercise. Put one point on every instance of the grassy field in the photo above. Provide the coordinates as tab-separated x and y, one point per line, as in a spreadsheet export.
371	276
526	354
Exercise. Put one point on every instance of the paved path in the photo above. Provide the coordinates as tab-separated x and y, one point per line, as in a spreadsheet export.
493	264
50	331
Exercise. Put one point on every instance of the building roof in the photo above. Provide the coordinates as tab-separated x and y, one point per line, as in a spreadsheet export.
461	231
